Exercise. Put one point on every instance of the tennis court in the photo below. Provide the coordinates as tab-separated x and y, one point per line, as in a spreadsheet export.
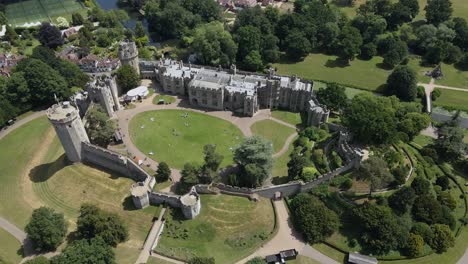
20	12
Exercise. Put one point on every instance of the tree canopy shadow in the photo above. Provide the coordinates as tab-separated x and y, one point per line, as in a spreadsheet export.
384	66
336	63
43	172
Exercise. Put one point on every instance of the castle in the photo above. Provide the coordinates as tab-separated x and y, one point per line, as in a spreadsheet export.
240	92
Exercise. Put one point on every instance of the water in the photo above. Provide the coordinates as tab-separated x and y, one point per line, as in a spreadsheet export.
134	16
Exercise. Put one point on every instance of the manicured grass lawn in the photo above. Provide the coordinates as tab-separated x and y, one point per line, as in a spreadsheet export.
155	260
451	99
228	229
177	140
167	99
288	117
454	77
280	167
273	131
423	140
16	150
303	260
331	252
9	247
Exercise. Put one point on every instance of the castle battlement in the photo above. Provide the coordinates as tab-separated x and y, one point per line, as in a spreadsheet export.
62	113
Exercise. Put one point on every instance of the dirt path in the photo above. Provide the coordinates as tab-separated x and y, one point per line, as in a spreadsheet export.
152	239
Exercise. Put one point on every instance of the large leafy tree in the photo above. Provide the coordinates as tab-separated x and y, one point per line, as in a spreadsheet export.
438	11
334	97
94	222
163	173
127	78
313	218
254	157
86	251
402	200
99	127
371	119
442	238
46	229
449	143
403	83
349	43
214	45
427	209
376	171
379	229
297	45
190	176
50	36
415	245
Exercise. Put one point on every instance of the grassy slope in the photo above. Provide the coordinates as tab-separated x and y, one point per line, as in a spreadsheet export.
288	117
187	145
9	247
226	229
16	151
155	260
273	131
452	99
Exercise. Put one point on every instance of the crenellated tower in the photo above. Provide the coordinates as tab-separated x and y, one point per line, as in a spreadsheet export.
128	55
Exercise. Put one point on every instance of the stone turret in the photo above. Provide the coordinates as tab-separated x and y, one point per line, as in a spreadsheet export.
190	204
69	128
128	55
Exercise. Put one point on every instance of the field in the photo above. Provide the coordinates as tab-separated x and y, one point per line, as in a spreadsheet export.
273	131
453	76
176	139
40	176
288	117
451	99
31	11
167	99
10	248
364	74
155	260
228	229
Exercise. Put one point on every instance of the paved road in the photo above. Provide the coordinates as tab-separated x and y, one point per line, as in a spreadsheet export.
152	239
287	238
21	122
429	88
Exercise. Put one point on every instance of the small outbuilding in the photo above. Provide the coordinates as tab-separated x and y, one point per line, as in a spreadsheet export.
282	256
357	258
135	94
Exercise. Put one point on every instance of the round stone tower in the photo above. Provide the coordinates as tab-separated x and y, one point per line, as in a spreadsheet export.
69	128
128	55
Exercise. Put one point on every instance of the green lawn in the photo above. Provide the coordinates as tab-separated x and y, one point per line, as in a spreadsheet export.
155	260
422	140
288	117
303	260
280	167
453	76
177	140
16	151
451	99
273	131
9	247
167	99
228	229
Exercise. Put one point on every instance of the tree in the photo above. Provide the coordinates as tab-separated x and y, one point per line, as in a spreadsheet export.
253	61
449	143
379	229
50	36
201	260
403	83
313	218
413	6
415	245
94	222
349	43
296	164
212	159
420	185
37	260
255	151
99	127
461	29
297	45
371	119
442	238
72	74
86	251
452	53
127	78
46	229
139	30
376	171
396	54
334	97
170	20
412	123
164	172
427	209
402	200
368	50
214	45
77	19
309	173
46	55
443	182
423	230
190	176
446	199
438	11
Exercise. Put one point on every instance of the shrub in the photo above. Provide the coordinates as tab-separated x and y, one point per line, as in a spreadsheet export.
414	245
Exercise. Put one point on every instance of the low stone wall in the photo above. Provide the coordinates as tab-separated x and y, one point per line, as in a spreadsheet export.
113	161
172	200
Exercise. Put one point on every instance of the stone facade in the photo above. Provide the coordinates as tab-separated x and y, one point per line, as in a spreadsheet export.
103	90
316	113
69	128
128	54
241	92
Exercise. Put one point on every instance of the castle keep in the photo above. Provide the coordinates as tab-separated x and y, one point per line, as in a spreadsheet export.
128	54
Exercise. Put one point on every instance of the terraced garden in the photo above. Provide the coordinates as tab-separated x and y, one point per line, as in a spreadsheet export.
228	229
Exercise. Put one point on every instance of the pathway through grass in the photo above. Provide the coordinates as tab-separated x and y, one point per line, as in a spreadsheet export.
273	131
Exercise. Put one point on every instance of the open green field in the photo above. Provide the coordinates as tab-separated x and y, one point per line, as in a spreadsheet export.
451	99
155	260
280	167
31	11
176	139
454	77
288	117
167	99
52	182
303	260
9	248
365	74
273	131
422	140
228	229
